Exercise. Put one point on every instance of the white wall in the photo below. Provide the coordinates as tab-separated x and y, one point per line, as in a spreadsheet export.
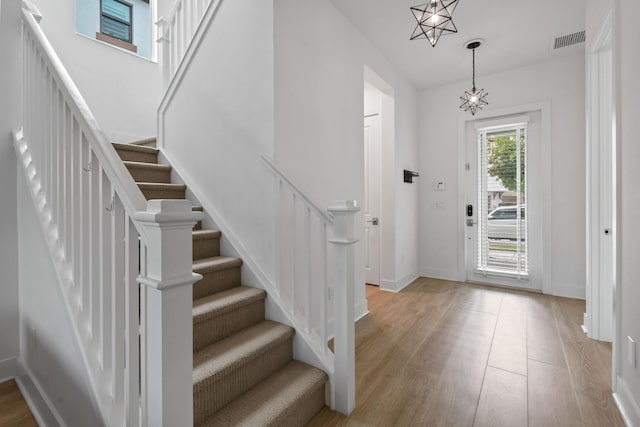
122	89
48	348
319	79
10	107
561	82
628	62
217	146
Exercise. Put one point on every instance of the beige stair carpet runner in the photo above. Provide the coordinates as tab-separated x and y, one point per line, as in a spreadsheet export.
243	368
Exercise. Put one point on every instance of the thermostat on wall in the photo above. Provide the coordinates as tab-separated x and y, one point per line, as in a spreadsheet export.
438	186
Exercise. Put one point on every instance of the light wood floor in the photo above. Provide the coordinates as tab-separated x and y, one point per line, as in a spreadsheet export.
444	353
13	409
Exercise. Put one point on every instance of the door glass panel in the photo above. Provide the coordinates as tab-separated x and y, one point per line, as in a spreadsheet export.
502	201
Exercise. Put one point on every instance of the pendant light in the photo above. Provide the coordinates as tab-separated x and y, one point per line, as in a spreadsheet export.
474	99
434	20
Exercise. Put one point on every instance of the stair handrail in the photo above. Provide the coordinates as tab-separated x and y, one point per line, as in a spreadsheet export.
337	279
132	199
123	265
324	214
176	33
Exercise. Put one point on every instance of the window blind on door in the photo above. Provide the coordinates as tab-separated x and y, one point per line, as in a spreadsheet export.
503	244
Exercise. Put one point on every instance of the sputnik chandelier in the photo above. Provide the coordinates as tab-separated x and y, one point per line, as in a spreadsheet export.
434	20
474	99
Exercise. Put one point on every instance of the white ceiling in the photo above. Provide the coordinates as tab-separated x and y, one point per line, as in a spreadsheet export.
516	33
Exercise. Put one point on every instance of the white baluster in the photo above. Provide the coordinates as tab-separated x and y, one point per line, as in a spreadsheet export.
132	387
324	336
164	50
85	206
106	206
95	249
76	176
342	240
307	280
278	237
167	281
118	296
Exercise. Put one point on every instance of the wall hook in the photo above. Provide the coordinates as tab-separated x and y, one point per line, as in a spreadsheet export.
110	207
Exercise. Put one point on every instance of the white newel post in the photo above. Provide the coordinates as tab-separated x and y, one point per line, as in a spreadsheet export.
163	50
343	242
168	327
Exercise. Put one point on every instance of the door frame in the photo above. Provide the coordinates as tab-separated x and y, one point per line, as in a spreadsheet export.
377	169
387	216
599	316
545	156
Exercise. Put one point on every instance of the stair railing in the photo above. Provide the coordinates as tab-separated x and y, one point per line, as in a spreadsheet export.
314	263
177	32
123	264
314	246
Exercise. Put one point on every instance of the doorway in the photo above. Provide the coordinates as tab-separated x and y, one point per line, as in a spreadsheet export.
503	211
372	167
601	187
380	182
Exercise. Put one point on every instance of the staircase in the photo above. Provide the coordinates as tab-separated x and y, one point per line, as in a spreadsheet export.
243	368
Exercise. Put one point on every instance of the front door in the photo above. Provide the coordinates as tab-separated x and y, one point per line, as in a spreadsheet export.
499	208
372	164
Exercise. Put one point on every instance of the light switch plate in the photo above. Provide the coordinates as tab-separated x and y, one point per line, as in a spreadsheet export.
631	352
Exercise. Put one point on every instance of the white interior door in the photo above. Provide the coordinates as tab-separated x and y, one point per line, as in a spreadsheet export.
372	166
503	207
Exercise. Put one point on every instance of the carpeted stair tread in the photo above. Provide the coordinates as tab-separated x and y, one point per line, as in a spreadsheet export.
275	401
136	153
217	263
144	165
223	357
147	142
225	302
149	172
206	234
206	243
161	186
154	190
134	147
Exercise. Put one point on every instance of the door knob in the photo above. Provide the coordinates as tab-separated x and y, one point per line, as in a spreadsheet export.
373	221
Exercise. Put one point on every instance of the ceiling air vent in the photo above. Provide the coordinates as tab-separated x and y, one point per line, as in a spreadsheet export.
568	40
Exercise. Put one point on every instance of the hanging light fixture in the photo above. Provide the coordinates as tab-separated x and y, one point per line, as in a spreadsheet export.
474	99
434	20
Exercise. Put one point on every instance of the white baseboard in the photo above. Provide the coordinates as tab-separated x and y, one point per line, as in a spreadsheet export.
361	309
39	403
441	274
569	291
8	369
629	408
398	285
387	285
406	280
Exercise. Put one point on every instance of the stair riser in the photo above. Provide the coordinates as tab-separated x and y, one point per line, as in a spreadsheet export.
303	412
207	399
163	194
150	175
135	156
198	226
225	325
206	248
216	281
